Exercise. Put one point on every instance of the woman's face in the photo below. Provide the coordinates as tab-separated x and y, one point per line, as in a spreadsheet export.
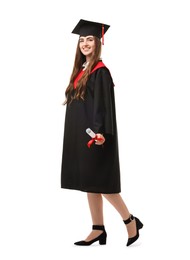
87	45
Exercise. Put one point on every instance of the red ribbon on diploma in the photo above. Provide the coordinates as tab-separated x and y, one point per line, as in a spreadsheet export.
93	140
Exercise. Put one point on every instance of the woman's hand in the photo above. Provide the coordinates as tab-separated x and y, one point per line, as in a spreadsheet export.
100	142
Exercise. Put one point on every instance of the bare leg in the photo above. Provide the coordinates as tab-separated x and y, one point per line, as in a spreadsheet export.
96	209
118	203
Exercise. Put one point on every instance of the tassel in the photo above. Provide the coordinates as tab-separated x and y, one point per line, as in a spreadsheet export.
102	34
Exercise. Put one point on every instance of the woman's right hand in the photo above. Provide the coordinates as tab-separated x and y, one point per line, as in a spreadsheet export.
101	139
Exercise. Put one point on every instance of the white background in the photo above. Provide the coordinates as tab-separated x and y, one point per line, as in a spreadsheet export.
147	51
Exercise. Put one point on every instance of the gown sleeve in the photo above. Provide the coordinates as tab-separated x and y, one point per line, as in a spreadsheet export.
104	118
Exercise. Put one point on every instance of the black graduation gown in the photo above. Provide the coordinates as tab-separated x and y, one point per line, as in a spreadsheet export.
95	169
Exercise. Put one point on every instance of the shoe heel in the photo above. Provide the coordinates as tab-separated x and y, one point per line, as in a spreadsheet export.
102	240
139	223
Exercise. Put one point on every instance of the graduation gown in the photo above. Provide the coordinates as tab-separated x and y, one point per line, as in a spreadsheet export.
95	169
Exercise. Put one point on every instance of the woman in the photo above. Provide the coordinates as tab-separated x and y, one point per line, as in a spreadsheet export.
92	165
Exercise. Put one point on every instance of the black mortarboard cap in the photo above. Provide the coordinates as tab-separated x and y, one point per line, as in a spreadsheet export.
85	28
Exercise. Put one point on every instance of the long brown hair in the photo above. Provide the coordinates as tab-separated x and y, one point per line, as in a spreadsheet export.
79	93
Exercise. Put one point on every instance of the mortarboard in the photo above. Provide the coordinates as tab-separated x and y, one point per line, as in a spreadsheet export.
85	28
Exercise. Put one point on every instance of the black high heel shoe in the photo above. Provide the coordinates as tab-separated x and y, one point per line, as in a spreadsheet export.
101	238
139	225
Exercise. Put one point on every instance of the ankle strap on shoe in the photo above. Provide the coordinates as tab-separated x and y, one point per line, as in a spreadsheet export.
127	221
98	227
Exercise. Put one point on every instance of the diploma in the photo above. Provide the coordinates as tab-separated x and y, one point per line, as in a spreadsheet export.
93	137
90	133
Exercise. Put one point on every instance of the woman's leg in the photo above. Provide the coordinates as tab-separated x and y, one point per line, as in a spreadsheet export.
96	209
118	203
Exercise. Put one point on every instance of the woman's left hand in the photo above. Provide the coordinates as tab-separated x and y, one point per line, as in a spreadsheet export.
100	142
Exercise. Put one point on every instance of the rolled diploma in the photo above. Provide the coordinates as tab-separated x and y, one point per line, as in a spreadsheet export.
90	133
